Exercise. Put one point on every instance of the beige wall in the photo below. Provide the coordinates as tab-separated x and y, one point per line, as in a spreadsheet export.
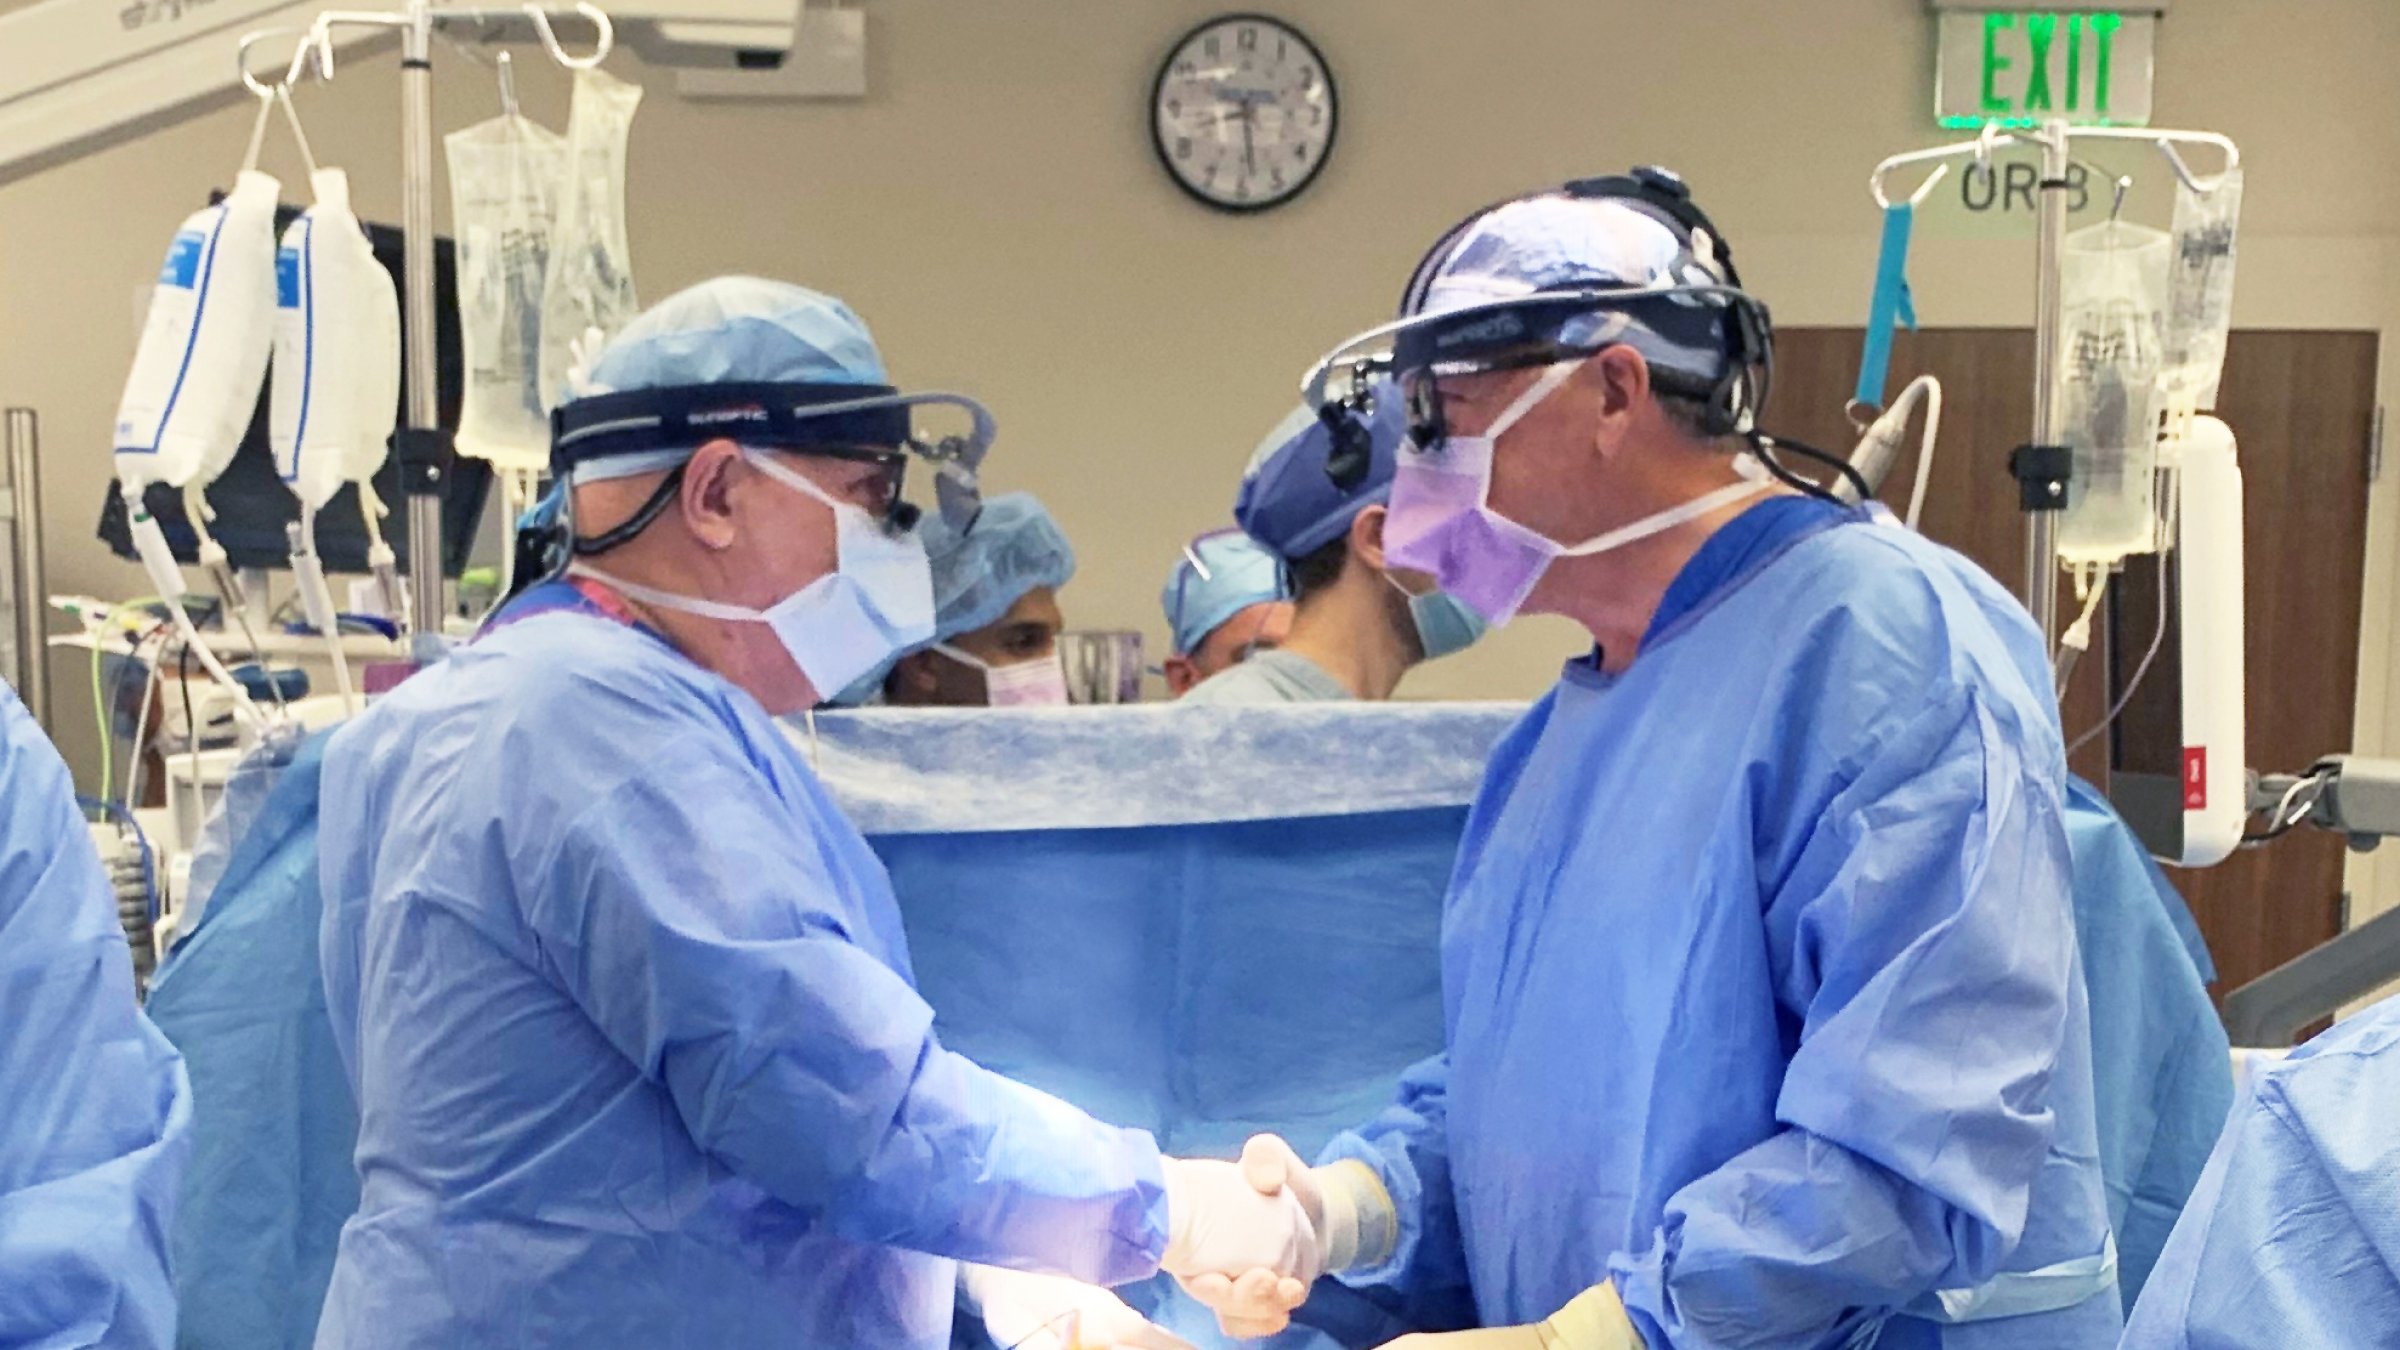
994	210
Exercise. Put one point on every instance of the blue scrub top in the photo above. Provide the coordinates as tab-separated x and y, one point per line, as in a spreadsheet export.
1760	981
637	1051
2293	1236
95	1111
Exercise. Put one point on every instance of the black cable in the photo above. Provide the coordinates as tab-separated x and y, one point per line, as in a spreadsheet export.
1807	451
661	497
191	723
1766	455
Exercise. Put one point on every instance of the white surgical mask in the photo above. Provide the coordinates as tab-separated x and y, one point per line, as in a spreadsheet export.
1039	683
877	601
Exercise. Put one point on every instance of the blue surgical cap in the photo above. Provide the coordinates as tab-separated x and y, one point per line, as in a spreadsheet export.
1240	574
1012	548
1288	502
732	330
1563	243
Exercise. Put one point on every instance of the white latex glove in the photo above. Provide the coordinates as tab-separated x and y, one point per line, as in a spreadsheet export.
1250	1257
1347	1206
1052	1312
1357	1225
1595	1320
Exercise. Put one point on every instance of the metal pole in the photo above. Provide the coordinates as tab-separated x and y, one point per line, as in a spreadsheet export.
24	437
416	225
2050	247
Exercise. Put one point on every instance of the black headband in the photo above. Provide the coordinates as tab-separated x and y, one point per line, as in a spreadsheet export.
686	417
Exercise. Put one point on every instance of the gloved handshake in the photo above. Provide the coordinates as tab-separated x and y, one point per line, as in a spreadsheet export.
1248	1239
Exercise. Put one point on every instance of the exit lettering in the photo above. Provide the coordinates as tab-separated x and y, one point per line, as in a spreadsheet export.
2030	94
2033	66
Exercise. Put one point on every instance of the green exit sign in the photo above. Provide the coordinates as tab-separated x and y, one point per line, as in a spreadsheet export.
2026	67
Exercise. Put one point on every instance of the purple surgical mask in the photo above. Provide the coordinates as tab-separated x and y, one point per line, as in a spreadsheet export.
1440	519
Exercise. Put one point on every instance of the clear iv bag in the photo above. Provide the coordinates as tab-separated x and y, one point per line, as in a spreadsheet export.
2113	285
2200	288
505	178
589	283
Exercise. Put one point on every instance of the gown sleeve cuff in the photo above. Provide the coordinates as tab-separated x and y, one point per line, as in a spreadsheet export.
1641	1283
1390	1209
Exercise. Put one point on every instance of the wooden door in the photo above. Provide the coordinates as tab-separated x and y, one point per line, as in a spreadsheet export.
2303	406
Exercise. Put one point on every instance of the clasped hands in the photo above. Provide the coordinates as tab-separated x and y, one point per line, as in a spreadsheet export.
1247	1239
1250	1257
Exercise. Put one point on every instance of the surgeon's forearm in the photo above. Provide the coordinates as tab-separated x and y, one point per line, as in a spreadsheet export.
982	1168
1793	1241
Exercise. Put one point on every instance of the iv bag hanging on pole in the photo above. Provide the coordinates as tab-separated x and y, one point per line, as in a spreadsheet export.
589	282
2113	284
505	179
204	345
334	308
2200	295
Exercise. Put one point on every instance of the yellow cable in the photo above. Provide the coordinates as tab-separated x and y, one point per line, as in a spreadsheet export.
107	732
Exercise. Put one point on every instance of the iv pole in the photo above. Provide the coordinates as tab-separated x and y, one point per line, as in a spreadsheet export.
426	452
2050	246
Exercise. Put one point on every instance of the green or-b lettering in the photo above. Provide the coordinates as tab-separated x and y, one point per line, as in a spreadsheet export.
1994	62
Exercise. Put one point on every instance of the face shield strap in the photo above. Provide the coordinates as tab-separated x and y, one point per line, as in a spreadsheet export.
1658	193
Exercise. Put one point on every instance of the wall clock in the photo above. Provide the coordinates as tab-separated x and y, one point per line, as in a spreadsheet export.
1243	112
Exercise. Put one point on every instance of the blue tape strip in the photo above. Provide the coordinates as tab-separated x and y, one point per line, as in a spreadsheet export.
1891	305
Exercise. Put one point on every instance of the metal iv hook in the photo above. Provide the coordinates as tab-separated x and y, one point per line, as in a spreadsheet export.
606	40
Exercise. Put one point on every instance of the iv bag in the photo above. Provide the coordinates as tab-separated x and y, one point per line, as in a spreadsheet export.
505	179
379	388
203	353
2200	295
329	338
589	283
2113	285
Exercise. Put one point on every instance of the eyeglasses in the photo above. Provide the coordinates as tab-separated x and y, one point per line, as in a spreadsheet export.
1420	388
878	491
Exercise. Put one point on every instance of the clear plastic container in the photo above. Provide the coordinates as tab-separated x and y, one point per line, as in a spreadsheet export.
2200	288
2111	354
505	179
590	278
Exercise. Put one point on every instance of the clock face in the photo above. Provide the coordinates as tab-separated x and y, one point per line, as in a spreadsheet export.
1243	113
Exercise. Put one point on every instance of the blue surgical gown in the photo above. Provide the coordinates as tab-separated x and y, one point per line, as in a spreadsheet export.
1760	984
2162	1072
273	1127
95	1112
2292	1237
638	1056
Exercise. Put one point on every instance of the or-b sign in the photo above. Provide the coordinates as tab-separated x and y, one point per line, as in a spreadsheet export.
2029	67
2014	186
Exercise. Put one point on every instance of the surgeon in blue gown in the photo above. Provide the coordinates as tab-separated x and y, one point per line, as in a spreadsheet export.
1763	1015
95	1112
2292	1237
624	999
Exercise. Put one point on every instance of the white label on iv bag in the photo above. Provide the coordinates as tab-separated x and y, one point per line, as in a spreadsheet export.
202	353
169	332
